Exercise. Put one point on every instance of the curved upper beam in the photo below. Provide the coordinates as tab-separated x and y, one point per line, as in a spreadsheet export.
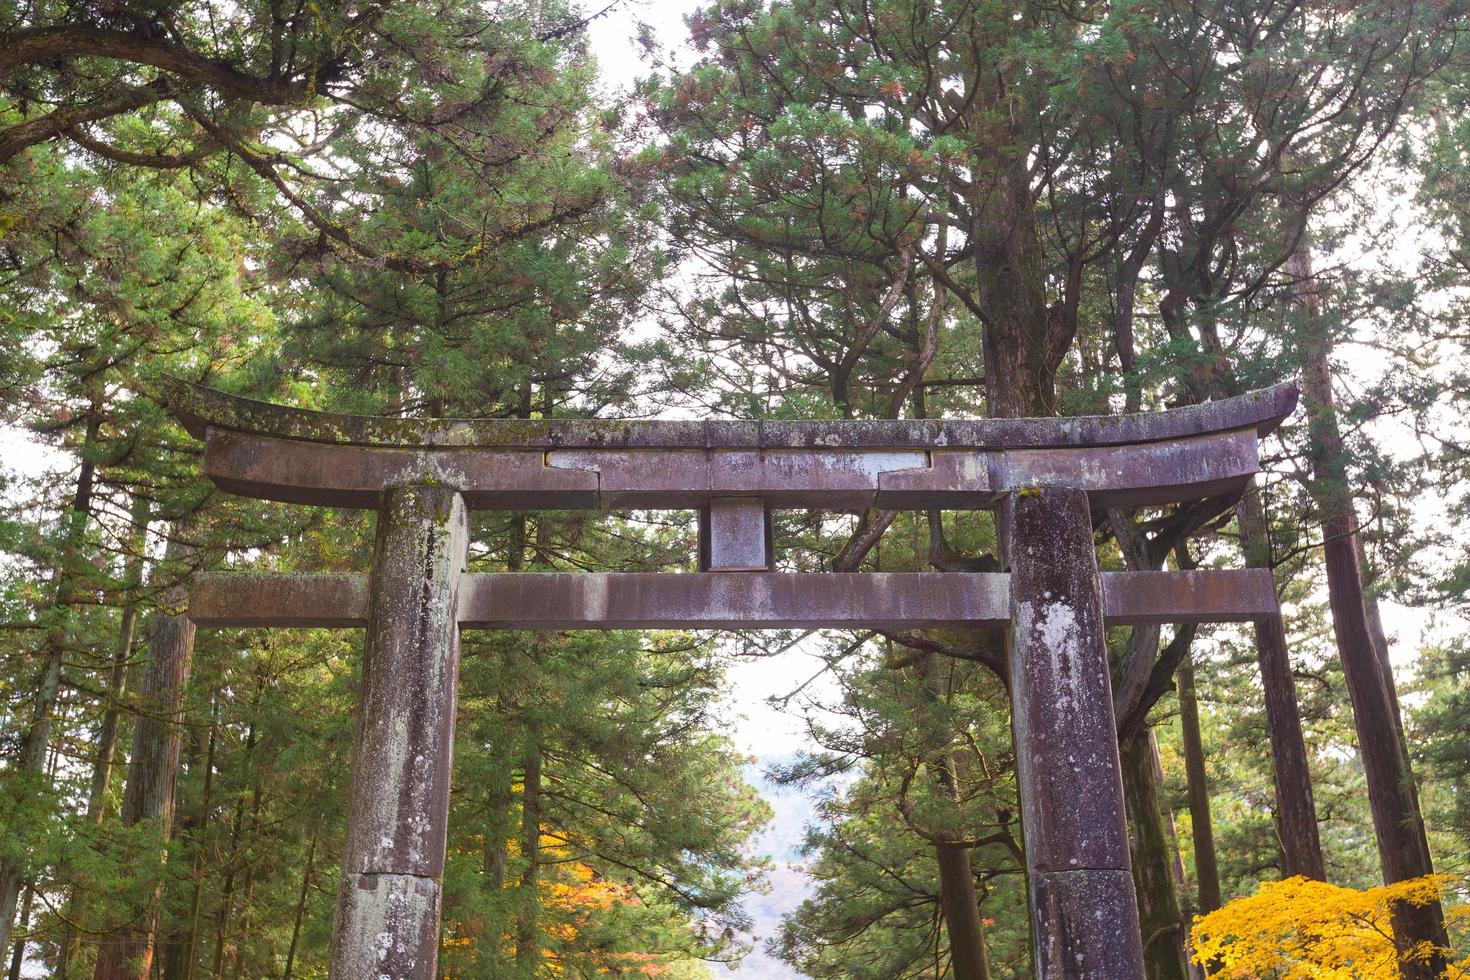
276	453
200	408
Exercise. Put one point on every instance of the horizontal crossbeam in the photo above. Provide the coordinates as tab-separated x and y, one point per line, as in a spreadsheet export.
833	480
728	600
277	453
200	408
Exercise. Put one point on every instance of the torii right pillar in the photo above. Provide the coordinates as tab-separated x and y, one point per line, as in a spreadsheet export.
1084	913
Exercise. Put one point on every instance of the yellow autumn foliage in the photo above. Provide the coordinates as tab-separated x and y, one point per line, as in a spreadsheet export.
1300	929
571	895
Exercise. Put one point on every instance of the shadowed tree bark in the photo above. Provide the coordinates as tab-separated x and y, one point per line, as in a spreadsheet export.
1160	919
1296	811
528	945
958	901
37	738
103	764
153	768
1403	848
961	908
1206	868
180	953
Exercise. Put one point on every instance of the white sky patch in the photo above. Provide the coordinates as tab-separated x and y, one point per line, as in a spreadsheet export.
769	733
763	729
613	38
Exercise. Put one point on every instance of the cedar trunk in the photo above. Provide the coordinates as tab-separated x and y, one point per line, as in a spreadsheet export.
180	957
1403	848
528	943
961	908
1160	921
1296	811
1020	351
152	773
300	906
18	955
37	737
117	681
1206	868
122	653
958	902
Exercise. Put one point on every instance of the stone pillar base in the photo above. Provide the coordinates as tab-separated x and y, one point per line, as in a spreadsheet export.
386	928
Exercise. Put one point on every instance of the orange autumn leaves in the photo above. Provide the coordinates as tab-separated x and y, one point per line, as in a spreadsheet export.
572	898
1300	929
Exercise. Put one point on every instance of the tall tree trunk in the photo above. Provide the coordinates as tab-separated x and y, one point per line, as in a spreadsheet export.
1403	848
301	905
499	804
1176	858
961	908
528	943
1380	645
247	900
1385	663
122	654
1206	868
500	792
18	955
1159	916
958	902
29	766
237	825
153	768
1296	811
1171	831
1011	287
181	956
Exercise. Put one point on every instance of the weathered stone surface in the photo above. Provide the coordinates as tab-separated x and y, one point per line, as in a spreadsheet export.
1084	913
386	928
721	600
279	453
954	479
657	600
1085	925
1207	595
1187	468
198	408
834	479
1145	473
503	478
270	468
830	479
399	801
1062	704
307	599
734	535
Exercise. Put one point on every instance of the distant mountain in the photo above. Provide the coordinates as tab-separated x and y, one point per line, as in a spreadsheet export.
780	841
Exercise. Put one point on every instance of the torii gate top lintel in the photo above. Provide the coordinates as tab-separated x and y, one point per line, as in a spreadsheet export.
1048	476
197	407
299	456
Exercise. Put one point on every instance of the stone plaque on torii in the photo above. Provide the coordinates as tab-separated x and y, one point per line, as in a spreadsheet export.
1045	476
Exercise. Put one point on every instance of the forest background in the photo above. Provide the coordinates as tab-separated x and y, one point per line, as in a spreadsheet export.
794	209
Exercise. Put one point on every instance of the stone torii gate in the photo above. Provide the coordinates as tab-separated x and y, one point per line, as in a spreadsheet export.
1044	476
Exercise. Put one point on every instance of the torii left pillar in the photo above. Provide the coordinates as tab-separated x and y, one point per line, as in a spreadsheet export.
387	918
1084	916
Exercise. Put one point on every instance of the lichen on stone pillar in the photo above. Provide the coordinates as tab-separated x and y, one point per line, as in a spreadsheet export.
1083	909
387	920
